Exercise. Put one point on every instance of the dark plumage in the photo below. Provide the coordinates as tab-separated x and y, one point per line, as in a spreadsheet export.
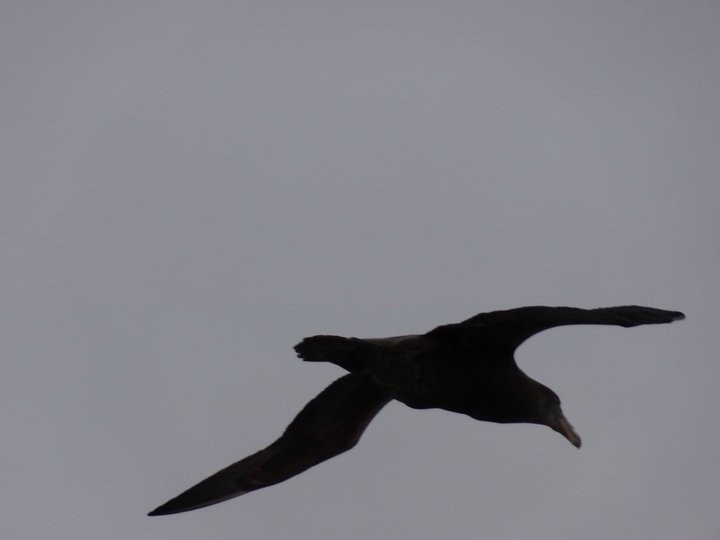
466	367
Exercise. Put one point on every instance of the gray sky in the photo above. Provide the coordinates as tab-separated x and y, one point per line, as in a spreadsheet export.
190	188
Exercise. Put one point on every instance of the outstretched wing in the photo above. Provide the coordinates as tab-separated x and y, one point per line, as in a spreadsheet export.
516	325
328	425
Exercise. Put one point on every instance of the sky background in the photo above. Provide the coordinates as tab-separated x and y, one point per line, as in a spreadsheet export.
189	188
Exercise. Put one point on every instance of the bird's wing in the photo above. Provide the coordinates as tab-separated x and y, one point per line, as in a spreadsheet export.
328	425
516	325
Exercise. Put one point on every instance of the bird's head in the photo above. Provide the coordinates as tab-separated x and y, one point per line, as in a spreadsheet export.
550	414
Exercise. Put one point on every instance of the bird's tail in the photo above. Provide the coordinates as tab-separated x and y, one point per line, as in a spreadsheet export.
353	354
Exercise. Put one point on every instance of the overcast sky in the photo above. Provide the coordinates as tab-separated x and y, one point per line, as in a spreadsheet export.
189	188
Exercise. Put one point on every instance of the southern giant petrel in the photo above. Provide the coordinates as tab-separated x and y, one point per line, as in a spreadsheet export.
466	367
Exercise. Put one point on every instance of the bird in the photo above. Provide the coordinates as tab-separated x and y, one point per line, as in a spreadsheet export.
466	367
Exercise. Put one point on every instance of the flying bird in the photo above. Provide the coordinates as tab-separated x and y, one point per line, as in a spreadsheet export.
467	367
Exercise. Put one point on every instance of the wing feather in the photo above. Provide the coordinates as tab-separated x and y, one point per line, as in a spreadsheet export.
328	425
517	325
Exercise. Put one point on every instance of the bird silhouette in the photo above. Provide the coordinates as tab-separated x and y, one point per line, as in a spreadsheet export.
467	367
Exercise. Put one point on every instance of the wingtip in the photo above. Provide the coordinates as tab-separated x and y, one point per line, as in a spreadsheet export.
221	486
186	501
165	509
175	507
650	315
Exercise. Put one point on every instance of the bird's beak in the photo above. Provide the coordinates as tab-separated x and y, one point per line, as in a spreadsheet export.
564	428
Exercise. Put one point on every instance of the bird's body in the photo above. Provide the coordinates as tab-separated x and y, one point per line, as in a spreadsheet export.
430	371
468	368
